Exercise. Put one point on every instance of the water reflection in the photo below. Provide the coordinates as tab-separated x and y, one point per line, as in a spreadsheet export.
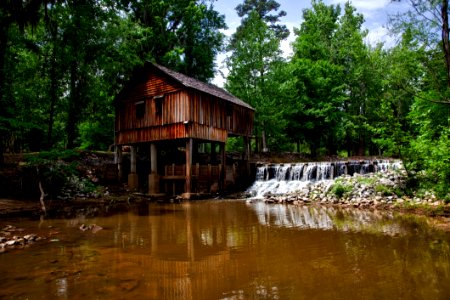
232	250
335	218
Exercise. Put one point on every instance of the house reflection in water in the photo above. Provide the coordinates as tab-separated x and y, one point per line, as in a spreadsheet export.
176	254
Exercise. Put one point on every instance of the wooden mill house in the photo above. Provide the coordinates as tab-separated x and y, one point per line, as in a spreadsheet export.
178	123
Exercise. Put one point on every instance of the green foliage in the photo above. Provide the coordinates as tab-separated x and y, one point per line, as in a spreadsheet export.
366	180
61	68
182	35
54	168
44	157
384	190
333	80
95	135
234	145
428	155
263	9
66	69
339	189
255	65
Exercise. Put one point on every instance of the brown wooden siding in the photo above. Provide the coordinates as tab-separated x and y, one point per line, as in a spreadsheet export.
179	113
212	111
172	131
154	84
205	132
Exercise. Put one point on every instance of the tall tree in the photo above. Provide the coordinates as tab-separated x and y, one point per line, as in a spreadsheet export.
20	14
426	153
320	85
351	53
82	27
429	22
254	57
181	34
264	8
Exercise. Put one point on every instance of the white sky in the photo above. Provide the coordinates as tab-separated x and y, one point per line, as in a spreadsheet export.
375	13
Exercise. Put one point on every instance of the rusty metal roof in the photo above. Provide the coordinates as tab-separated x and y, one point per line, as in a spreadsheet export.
201	86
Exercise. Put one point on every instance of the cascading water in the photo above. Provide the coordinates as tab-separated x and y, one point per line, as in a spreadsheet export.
287	178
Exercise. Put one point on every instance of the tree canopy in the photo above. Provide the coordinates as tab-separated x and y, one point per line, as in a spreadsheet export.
63	62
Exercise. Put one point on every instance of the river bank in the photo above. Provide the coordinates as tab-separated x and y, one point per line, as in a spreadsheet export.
381	191
374	191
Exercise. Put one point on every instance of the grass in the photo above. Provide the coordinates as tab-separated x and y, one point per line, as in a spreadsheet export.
339	189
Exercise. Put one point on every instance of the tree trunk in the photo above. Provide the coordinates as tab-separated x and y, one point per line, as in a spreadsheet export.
72	117
41	189
445	39
3	40
264	142
256	141
53	100
361	145
52	27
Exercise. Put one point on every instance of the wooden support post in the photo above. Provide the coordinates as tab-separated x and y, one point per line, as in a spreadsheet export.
133	177
246	148
213	153
247	155
133	154
223	172
189	149
174	186
210	181
118	161
153	159
234	173
153	178
196	178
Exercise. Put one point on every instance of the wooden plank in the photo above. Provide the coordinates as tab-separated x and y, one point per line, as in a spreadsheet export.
173	177
189	150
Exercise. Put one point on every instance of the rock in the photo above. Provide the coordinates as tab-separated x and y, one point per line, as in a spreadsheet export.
95	228
10	243
30	237
386	182
8	228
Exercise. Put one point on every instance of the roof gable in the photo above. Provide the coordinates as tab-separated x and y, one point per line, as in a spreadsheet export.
200	86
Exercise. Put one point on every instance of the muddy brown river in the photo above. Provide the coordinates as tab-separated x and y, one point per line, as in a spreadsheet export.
230	249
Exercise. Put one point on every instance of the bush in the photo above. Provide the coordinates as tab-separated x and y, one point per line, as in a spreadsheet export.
339	189
384	190
428	157
54	168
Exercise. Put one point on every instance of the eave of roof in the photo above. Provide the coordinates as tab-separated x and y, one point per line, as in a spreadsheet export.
201	86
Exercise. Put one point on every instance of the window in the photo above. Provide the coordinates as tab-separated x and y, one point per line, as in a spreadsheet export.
159	104
140	109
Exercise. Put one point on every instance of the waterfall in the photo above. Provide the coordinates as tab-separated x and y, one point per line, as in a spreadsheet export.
286	178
